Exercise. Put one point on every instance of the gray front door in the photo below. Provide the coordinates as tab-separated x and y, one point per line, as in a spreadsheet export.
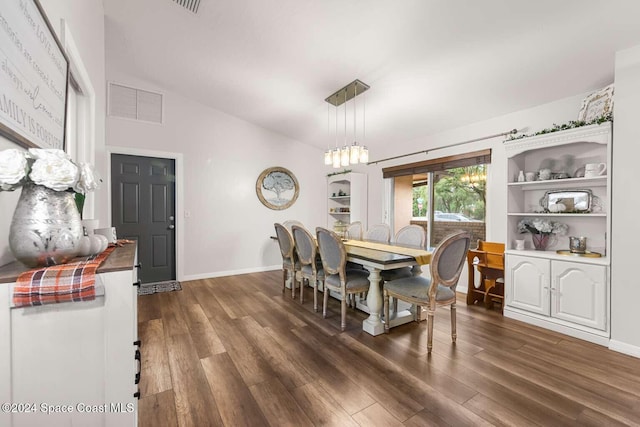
143	209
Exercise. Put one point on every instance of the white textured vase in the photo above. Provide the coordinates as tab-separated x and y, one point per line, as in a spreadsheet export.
46	227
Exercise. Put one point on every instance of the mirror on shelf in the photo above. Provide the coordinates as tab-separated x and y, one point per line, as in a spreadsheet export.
567	201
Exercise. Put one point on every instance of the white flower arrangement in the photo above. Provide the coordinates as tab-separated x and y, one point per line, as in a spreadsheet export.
51	168
542	226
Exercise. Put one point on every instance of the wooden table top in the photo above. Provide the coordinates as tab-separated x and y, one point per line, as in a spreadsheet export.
121	258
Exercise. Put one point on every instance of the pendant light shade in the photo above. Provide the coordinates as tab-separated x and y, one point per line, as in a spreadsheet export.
335	158
364	155
354	153
328	157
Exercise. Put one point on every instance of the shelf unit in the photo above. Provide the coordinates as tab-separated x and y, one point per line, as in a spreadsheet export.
352	205
565	293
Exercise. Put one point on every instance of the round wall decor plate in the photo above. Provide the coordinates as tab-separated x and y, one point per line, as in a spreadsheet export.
277	188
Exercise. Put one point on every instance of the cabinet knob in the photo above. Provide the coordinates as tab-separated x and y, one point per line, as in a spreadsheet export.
138	283
137	394
137	342
139	265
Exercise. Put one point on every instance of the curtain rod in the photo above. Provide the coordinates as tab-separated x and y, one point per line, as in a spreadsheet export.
511	132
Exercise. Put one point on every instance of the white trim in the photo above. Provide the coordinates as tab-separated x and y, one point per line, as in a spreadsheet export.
86	141
179	221
623	347
558	325
231	272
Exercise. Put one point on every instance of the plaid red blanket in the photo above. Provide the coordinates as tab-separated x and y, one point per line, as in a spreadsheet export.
74	281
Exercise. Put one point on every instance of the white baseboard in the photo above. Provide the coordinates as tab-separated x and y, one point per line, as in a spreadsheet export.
211	275
621	347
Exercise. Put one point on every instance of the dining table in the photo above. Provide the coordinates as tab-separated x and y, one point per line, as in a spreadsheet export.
376	257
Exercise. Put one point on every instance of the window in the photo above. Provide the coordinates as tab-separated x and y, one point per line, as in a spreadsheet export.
449	190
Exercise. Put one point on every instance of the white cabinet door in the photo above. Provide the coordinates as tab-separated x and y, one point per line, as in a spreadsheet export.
527	283
579	294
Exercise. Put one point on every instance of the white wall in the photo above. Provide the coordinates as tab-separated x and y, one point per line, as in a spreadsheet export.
85	19
228	230
625	282
529	121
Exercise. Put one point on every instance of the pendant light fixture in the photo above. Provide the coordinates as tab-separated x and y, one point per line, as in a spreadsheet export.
354	153
328	157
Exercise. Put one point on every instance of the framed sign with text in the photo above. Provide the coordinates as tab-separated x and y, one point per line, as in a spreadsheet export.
33	77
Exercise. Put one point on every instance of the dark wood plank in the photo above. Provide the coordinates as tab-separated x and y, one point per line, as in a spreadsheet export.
278	405
157	410
235	403
155	376
195	405
205	340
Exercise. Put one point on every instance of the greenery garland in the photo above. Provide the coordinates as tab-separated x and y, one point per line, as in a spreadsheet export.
339	173
571	125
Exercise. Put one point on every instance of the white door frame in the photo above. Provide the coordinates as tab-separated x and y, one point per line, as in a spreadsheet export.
179	193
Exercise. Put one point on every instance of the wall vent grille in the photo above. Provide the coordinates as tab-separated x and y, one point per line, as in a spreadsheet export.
135	104
191	5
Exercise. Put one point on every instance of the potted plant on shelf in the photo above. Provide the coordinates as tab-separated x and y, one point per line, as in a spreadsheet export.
541	230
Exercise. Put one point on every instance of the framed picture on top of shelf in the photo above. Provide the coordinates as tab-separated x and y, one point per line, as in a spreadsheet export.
277	188
34	80
597	104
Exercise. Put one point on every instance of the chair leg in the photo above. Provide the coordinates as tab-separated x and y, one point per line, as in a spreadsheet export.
454	333
302	290
343	312
325	301
292	275
430	315
284	279
386	312
315	295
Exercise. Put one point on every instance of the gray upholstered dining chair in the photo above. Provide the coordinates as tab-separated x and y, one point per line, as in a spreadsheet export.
439	290
412	236
290	223
336	276
378	233
307	249
354	231
290	263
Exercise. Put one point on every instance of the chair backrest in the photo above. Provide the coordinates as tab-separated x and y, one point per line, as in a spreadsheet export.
332	252
290	223
285	241
447	260
378	233
411	235
354	231
306	247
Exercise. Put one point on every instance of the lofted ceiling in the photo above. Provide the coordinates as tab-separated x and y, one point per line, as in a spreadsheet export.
432	65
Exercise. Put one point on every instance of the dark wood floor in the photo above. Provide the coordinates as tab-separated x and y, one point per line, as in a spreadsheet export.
234	351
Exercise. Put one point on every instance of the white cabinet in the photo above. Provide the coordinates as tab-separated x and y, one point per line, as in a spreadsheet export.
528	284
571	293
74	358
566	293
347	198
579	293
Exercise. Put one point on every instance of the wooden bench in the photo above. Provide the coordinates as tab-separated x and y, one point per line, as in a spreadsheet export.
488	259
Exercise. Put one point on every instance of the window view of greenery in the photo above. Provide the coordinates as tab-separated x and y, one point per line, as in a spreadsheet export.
459	195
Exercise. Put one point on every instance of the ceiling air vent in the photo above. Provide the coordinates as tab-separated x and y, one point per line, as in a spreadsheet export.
135	104
190	5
